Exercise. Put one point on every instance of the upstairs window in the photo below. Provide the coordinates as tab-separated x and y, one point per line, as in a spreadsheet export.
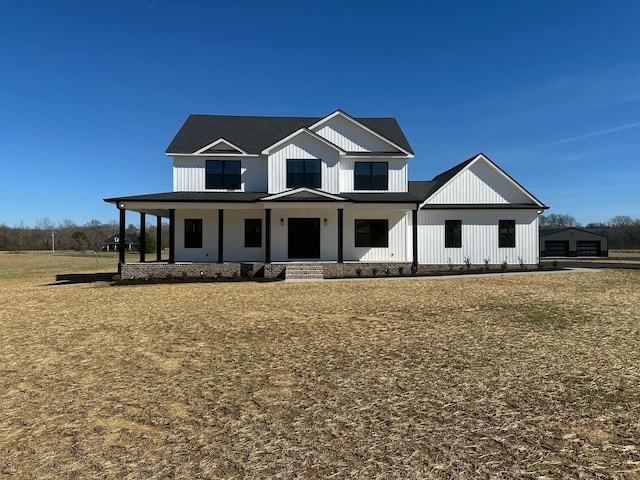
371	176
372	233
506	233
193	233
303	173
453	233
252	232
223	174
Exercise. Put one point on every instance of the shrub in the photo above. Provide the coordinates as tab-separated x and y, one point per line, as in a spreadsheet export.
482	268
467	262
400	270
358	271
463	268
374	271
503	266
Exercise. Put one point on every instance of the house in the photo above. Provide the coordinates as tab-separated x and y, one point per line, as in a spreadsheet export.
572	242
112	244
265	194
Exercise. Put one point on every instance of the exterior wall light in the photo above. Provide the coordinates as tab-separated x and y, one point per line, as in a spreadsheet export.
282	221
325	222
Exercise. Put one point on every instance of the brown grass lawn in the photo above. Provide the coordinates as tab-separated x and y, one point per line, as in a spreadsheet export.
533	376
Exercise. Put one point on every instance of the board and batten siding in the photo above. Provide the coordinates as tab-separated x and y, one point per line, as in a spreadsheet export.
398	177
304	147
280	232
189	173
351	137
479	184
479	237
209	250
399	249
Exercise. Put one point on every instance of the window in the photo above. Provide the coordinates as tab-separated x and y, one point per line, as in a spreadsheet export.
453	233
223	174
372	233
371	176
506	233
303	173
252	232
193	233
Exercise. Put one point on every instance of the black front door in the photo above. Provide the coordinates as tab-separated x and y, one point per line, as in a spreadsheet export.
304	238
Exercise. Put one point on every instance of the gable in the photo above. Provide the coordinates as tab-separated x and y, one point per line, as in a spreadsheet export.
480	182
220	147
304	194
352	137
301	137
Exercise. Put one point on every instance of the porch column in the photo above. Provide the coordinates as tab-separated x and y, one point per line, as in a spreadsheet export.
414	264
340	235
143	237
220	234
172	235
121	258
267	235
158	238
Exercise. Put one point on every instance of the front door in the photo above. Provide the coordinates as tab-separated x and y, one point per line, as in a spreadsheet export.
304	238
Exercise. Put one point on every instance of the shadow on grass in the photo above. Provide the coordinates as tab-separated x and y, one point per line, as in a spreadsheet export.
71	278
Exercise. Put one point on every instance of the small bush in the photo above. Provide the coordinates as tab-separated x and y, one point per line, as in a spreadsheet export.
374	271
358	271
463	268
400	270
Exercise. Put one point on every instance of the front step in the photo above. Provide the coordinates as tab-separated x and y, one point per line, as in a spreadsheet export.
303	272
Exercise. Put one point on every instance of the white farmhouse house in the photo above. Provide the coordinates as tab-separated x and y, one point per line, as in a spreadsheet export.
329	195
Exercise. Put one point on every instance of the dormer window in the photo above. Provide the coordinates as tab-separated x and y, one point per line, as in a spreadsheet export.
371	176
223	174
303	173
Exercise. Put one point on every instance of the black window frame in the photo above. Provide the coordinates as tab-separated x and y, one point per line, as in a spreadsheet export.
368	233
228	178
192	233
308	177
453	233
506	233
253	232
367	180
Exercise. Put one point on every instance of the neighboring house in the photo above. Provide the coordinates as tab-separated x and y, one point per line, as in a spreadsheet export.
572	242
333	191
112	244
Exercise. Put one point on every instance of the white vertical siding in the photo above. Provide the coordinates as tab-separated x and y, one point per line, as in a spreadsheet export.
398	179
399	229
234	249
304	147
280	231
480	183
479	237
189	173
351	137
209	250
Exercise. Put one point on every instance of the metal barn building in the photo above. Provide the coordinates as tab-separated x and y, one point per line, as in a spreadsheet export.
572	242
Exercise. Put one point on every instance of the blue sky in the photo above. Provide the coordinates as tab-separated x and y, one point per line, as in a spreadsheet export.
92	92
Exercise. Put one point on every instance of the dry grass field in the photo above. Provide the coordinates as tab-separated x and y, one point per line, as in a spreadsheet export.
529	376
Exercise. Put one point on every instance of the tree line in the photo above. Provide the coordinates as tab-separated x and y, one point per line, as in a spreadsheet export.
67	235
623	231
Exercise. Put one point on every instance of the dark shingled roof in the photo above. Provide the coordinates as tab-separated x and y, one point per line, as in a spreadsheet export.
254	134
191	197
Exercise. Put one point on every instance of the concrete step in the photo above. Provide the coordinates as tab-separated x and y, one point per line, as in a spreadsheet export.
303	272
